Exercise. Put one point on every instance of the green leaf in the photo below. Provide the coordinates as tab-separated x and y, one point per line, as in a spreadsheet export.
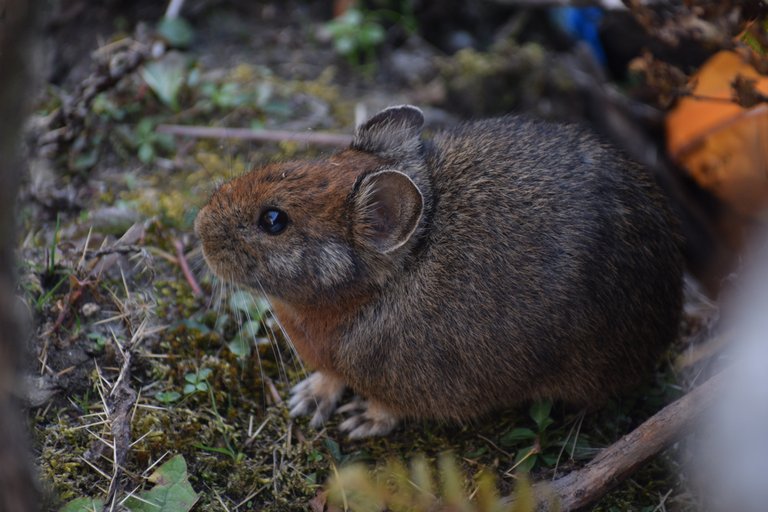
202	386
352	18
204	373
241	301
165	141
168	396
84	505
263	93
254	308
172	491
216	449
144	129
176	31
333	448
345	45
516	435
250	329
528	460
371	35
189	389
221	319
262	306
540	413
165	78
549	458
546	422
86	160
315	456
473	454
146	153
240	346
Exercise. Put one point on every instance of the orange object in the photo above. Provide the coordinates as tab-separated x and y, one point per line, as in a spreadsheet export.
723	145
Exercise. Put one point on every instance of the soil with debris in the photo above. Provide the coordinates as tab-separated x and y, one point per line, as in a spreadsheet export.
138	356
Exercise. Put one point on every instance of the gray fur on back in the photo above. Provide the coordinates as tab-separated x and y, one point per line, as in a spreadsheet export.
548	266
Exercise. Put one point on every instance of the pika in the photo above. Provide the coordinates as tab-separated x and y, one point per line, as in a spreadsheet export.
502	261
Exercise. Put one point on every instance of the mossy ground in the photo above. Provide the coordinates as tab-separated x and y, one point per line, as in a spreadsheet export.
243	451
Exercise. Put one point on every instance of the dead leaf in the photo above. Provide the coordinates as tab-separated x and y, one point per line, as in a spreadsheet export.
317	504
722	144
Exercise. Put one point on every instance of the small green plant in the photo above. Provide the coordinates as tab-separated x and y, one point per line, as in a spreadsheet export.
166	79
172	492
197	382
177	32
83	505
528	456
45	298
168	397
148	141
99	340
225	96
236	455
105	107
356	34
243	305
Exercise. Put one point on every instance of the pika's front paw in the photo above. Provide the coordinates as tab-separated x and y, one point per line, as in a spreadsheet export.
319	393
368	419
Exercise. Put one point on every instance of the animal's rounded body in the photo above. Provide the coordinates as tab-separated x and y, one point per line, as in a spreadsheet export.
505	260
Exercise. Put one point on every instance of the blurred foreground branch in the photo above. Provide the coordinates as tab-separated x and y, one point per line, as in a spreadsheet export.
18	489
207	132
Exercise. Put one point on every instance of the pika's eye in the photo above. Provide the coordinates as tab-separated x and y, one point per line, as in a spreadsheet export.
273	221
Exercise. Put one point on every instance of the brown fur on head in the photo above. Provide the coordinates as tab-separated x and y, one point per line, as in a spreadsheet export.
347	217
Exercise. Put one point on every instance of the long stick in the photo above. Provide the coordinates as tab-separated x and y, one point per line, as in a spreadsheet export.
618	461
207	132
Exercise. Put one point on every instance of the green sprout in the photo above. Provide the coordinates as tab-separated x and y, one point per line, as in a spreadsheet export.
197	382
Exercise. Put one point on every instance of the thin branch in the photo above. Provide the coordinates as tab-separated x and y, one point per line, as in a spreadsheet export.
196	290
124	249
207	132
546	4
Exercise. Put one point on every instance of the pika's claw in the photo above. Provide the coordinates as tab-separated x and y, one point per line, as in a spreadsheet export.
368	419
354	407
318	395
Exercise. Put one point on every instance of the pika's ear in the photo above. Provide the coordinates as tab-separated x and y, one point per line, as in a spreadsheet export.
388	207
393	133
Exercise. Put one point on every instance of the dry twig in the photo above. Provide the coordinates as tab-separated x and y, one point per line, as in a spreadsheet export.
207	132
119	406
196	290
115	249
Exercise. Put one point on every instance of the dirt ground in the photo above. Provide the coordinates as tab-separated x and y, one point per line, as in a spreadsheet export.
131	364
